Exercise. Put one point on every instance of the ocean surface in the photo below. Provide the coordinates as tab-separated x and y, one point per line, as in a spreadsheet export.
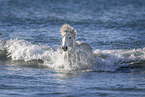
31	55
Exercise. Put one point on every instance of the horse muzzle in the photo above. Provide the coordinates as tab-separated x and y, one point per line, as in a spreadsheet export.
65	48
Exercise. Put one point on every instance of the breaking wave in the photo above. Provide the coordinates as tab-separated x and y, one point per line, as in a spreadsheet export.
105	60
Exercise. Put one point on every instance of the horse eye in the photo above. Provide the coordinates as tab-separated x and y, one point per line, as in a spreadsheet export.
69	37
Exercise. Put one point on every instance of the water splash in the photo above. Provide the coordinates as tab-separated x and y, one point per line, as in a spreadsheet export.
105	60
23	50
110	60
2	49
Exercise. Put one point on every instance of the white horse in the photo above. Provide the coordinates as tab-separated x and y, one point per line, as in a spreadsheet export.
78	54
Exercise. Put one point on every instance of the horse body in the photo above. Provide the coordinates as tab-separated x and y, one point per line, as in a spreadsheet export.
78	54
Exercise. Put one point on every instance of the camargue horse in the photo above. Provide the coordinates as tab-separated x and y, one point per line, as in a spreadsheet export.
78	54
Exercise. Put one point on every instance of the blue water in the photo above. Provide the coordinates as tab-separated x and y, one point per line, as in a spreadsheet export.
30	48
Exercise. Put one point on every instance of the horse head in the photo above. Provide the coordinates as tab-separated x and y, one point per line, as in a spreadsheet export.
68	36
67	41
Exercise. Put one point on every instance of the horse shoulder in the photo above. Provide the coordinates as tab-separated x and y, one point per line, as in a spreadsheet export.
84	45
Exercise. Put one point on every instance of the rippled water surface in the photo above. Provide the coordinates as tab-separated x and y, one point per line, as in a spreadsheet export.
31	56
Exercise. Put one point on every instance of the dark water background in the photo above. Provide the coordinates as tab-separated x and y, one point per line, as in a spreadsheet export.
115	28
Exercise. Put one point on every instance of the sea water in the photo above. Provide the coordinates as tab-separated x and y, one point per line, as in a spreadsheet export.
31	62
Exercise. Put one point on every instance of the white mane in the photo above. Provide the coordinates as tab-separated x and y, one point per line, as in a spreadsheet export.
68	29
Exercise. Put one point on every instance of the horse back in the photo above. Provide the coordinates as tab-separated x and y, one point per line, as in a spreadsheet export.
84	45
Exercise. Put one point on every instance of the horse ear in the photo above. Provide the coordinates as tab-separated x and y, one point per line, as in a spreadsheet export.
75	32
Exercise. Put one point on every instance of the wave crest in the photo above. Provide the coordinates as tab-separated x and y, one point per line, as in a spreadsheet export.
105	60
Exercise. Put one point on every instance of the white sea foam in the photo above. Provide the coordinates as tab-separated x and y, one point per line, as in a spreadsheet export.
1	44
23	50
110	60
2	51
106	60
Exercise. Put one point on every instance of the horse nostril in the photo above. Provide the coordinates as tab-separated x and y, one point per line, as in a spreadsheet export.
64	48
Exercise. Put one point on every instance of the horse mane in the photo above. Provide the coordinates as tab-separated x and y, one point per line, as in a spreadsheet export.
68	29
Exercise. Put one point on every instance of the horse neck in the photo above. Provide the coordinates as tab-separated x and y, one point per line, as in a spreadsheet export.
74	46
